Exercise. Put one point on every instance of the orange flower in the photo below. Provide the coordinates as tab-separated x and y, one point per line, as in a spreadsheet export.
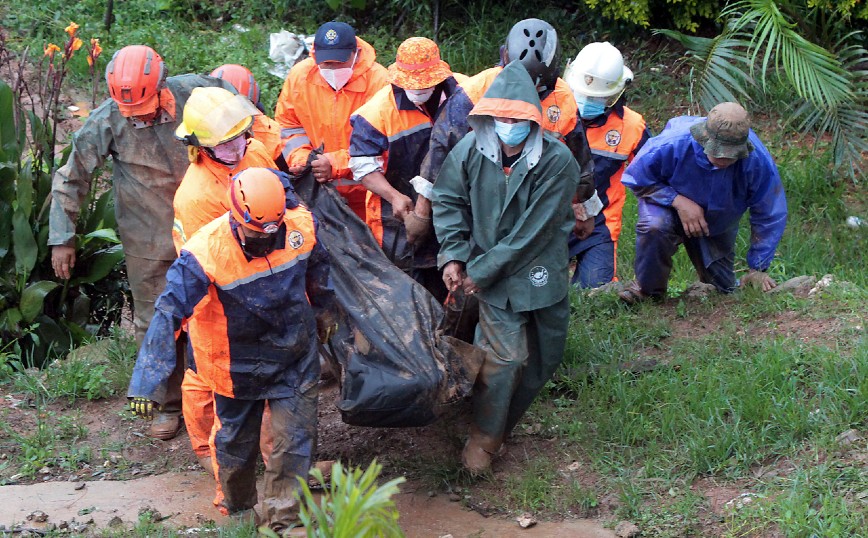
71	29
76	44
95	49
50	49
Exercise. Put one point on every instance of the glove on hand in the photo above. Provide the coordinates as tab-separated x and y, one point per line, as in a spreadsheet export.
326	327
418	228
144	408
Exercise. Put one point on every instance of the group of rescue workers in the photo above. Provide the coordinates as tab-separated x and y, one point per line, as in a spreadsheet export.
485	185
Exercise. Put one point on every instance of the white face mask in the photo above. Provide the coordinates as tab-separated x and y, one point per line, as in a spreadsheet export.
337	78
419	97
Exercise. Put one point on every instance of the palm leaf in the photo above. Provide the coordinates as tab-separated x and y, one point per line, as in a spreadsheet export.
720	67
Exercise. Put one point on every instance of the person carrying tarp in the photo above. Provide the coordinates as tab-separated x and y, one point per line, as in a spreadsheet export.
694	181
253	287
535	44
502	213
216	131
316	101
265	129
598	78
388	142
136	128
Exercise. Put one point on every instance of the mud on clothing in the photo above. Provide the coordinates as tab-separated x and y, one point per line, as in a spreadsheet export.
311	113
560	117
510	231
614	138
202	197
674	163
391	134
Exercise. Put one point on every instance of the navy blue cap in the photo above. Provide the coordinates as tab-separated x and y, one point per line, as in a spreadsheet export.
334	42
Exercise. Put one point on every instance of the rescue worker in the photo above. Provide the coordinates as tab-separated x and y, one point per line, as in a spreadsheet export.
535	44
694	182
265	129
253	286
388	142
502	213
316	101
215	129
136	128
598	78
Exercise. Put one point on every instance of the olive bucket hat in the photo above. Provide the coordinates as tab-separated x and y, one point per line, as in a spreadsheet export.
724	133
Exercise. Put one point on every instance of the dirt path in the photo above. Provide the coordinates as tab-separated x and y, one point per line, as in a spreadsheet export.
185	500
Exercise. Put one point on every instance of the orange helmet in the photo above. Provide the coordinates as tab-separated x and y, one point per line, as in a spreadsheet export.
135	76
240	77
257	199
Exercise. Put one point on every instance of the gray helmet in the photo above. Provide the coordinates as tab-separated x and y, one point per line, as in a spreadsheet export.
534	43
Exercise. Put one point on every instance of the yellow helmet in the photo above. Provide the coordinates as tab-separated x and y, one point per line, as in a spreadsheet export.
213	116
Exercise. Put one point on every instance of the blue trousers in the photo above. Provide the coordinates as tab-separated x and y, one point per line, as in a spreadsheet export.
236	443
659	232
595	266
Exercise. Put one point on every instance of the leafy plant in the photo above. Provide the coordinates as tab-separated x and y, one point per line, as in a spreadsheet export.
819	59
42	316
352	506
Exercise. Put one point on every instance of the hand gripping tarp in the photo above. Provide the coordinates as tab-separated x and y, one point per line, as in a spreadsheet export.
399	367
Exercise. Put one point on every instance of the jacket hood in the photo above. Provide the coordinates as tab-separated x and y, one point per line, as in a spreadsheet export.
512	94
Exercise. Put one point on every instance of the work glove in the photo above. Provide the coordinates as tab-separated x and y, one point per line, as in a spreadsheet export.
144	408
418	228
326	327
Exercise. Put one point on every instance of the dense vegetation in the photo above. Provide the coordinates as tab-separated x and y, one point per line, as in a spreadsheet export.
730	400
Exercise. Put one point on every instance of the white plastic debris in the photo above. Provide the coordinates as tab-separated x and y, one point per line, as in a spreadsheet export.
855	222
285	50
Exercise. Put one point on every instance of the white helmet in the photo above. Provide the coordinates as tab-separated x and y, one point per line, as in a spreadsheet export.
598	71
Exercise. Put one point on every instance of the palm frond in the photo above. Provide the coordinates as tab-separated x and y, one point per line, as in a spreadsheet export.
720	67
815	73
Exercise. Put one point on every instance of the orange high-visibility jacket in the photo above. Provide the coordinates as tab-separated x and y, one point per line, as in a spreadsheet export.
392	128
311	113
614	142
251	321
201	197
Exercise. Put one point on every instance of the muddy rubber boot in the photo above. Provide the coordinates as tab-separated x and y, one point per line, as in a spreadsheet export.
165	426
478	452
325	467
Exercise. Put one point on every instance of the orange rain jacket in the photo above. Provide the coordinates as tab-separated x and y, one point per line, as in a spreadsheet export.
615	138
267	131
252	328
391	128
201	197
312	114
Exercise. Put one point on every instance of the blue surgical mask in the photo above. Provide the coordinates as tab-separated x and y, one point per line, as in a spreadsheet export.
512	134
590	107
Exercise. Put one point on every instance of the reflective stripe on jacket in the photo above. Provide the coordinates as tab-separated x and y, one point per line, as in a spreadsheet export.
311	113
390	126
250	323
614	138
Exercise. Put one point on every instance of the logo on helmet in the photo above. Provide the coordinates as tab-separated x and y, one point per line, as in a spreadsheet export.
296	240
331	37
589	80
539	276
553	113
613	137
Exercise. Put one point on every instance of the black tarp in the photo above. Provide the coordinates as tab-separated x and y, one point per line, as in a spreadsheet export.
399	368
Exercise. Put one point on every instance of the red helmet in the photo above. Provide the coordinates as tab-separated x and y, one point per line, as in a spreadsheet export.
257	199
135	76
240	77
